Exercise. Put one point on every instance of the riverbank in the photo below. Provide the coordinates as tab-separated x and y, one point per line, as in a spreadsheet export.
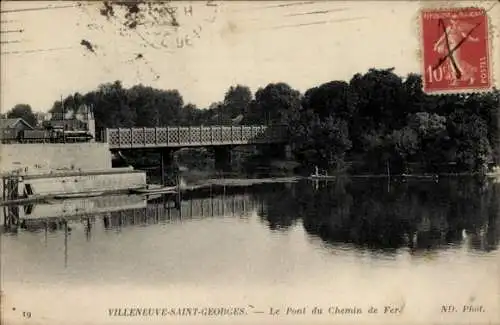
239	182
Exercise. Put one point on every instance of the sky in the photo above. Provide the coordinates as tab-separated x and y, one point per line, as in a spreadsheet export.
253	43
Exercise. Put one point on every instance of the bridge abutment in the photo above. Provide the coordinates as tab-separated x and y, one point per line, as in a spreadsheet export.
222	155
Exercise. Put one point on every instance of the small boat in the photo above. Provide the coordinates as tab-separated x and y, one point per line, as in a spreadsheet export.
77	195
155	190
318	176
494	175
429	177
326	177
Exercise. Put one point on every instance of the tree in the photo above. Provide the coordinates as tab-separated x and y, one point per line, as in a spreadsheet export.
334	98
404	144
191	115
487	106
274	104
237	100
333	138
469	134
317	141
116	106
170	104
216	115
381	104
375	118
23	111
144	100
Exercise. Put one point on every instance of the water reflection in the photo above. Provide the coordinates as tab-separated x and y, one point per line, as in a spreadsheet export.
417	215
117	211
359	212
349	242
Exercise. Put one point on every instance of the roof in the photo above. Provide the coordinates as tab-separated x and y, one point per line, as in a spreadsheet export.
6	123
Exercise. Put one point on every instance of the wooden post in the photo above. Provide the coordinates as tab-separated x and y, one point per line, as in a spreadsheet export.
178	196
3	189
388	177
162	166
66	233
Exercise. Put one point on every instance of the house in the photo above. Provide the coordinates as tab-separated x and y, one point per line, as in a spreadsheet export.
10	127
72	120
41	117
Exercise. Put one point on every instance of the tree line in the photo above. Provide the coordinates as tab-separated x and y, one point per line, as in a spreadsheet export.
374	121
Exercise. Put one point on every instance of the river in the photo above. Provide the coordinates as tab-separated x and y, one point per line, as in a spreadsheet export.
417	252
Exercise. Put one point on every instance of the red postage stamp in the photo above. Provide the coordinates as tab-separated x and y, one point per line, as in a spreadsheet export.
455	50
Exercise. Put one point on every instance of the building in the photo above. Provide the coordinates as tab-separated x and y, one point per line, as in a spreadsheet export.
41	117
10	127
80	120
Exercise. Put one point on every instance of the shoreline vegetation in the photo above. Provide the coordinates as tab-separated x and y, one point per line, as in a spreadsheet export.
374	122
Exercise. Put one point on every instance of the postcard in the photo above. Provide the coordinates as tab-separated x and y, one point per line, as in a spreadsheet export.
250	162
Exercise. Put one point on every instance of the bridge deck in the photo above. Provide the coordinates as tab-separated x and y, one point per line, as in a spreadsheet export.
192	136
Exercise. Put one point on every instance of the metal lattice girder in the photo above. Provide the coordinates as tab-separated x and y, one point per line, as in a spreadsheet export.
226	134
216	135
184	136
137	136
206	135
193	136
161	136
149	136
173	135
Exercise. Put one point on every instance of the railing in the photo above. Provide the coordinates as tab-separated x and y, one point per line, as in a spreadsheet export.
193	136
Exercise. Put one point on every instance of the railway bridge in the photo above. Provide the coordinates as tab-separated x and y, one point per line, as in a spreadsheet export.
219	139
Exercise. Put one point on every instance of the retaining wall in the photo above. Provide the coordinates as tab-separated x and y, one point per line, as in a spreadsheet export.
42	157
107	182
